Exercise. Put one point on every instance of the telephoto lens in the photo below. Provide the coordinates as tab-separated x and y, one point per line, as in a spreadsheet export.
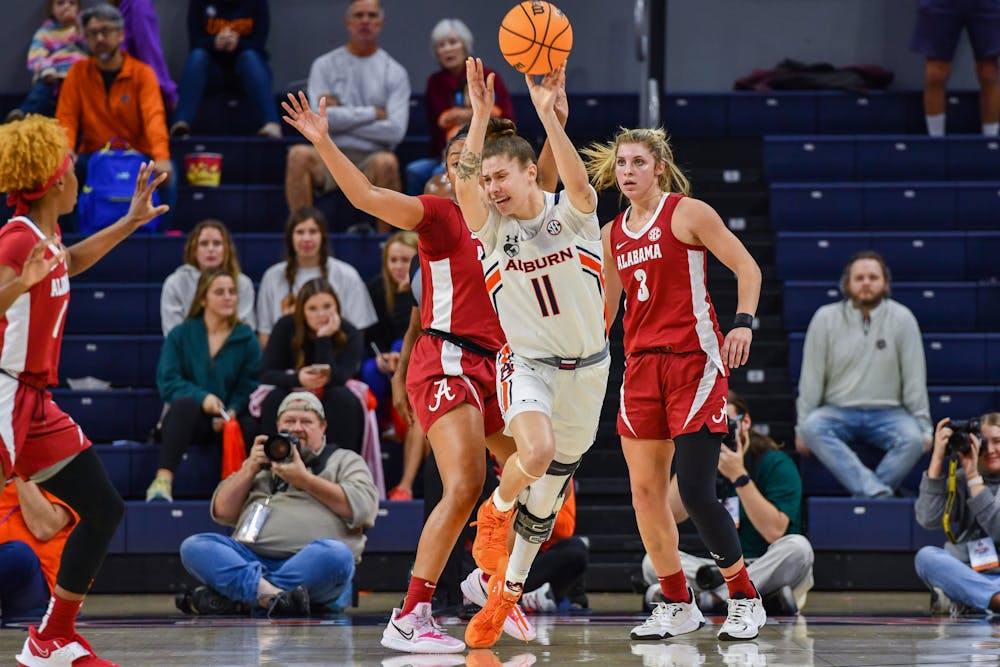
278	447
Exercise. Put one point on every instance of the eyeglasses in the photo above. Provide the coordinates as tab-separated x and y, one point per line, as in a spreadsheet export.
104	32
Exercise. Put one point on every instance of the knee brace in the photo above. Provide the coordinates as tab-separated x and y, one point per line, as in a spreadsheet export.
540	502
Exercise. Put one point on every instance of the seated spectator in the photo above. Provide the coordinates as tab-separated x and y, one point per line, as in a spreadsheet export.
316	349
320	503
33	532
556	576
209	246
308	256
760	486
207	370
964	576
228	39
142	40
444	100
864	380
133	111
367	104
55	47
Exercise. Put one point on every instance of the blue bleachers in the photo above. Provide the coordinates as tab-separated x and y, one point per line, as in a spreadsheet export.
852	524
112	414
123	360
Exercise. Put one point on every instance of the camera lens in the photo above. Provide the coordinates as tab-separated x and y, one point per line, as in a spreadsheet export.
278	448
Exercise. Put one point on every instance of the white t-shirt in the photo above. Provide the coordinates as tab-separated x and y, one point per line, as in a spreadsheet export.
545	279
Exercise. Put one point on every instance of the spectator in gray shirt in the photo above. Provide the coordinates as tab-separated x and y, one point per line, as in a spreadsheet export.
864	380
367	97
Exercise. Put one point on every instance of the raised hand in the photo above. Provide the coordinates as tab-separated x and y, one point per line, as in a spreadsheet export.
544	93
313	126
481	97
36	266
561	105
141	209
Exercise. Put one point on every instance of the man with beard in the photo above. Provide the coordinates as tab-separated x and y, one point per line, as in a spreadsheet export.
864	381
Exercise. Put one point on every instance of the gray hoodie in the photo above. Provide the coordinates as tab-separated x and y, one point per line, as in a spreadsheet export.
178	293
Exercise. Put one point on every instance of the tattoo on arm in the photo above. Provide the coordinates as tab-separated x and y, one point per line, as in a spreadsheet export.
469	165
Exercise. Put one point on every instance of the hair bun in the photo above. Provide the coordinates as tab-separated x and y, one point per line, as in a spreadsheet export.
500	127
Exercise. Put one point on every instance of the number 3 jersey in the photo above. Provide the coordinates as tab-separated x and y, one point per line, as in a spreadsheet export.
545	279
666	292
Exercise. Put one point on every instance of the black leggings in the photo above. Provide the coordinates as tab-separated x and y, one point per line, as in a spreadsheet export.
696	462
84	486
562	565
184	423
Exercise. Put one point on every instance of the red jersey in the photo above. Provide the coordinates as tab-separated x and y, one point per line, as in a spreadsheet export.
31	330
453	292
667	305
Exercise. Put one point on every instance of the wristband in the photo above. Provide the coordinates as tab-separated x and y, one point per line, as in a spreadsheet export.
978	479
743	320
743	480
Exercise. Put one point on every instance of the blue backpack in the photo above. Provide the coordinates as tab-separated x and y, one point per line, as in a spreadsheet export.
111	176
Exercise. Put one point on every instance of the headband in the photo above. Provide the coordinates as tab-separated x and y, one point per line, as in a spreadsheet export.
20	199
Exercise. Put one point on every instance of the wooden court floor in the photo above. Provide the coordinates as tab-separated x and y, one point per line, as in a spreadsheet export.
846	630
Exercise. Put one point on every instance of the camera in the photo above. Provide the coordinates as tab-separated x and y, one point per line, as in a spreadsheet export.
278	447
961	429
730	438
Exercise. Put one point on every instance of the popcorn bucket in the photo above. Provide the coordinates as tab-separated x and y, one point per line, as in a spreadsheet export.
203	169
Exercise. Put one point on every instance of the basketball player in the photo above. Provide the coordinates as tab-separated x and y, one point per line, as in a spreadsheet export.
543	273
450	373
38	441
673	396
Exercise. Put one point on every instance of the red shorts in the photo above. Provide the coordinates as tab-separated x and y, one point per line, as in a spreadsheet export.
442	376
34	432
665	395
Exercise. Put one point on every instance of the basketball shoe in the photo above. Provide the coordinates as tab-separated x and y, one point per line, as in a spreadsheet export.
492	527
670	619
476	592
486	626
745	618
62	652
417	632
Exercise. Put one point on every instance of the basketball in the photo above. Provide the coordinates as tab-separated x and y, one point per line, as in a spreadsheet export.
535	37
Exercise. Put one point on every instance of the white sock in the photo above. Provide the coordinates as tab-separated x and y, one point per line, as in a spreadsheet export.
500	503
935	125
991	129
521	558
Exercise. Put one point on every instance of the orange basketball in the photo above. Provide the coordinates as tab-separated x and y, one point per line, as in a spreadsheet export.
535	37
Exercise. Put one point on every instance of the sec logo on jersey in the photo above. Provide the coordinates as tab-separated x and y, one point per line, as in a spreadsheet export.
553	227
654	234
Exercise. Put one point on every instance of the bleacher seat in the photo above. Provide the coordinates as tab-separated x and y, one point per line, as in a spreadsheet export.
119	308
115	358
909	206
973	157
111	414
816	255
817	206
153	528
226	203
993	357
871	113
783	112
696	115
809	158
855	524
901	158
962	402
977	205
397	527
923	255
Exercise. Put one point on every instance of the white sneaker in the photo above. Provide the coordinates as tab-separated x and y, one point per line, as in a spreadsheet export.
744	620
475	591
540	600
417	632
674	654
742	655
670	619
426	660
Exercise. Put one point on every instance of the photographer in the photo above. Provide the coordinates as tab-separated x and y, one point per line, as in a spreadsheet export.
963	576
760	487
299	506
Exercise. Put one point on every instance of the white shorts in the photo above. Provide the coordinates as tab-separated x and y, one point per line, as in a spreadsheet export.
572	399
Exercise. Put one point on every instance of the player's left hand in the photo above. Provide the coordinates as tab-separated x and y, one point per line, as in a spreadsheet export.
543	93
36	267
141	209
736	347
481	97
314	126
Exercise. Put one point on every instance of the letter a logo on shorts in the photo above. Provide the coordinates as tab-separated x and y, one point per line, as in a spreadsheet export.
722	413
443	391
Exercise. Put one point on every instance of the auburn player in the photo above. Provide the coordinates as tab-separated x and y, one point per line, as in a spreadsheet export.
450	371
673	396
38	441
543	272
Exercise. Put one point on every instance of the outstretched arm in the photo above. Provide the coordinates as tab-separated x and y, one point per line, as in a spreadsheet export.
612	281
397	209
470	197
548	173
568	161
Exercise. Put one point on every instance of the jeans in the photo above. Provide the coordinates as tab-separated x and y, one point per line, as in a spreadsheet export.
828	432
249	66
24	593
939	569
41	99
325	567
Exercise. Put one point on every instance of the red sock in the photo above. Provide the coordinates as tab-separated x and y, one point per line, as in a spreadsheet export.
675	587
60	619
740	583
419	590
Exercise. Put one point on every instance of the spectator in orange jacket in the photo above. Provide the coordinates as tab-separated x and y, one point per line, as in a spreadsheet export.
34	526
113	95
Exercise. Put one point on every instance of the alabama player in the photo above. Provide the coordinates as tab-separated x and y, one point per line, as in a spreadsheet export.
38	441
673	396
450	372
543	273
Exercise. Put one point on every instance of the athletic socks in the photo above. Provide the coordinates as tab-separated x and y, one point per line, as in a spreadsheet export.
991	129
419	590
500	503
739	585
60	619
674	587
521	557
935	125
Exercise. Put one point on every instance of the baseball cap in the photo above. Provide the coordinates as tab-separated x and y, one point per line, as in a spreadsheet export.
302	400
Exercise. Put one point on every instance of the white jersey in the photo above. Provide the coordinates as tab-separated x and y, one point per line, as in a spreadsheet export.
545	279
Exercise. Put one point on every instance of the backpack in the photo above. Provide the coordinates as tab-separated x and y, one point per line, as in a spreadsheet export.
111	177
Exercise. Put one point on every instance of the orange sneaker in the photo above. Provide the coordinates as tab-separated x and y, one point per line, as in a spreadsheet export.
485	627
492	527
